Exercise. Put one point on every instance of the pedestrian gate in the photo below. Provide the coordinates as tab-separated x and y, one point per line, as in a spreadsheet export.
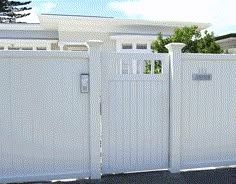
135	112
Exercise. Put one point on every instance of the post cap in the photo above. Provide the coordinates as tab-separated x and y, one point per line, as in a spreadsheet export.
175	46
94	43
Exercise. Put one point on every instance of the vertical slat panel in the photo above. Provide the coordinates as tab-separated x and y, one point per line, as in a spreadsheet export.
139	125
133	124
119	125
126	125
5	117
111	126
165	123
147	113
44	127
39	128
155	114
49	130
207	113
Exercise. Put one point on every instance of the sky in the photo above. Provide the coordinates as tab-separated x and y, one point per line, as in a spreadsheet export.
220	13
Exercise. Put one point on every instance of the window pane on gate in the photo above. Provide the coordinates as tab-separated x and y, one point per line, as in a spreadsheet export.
157	67
152	67
147	67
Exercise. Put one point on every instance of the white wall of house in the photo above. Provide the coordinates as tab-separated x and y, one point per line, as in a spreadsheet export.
68	37
72	32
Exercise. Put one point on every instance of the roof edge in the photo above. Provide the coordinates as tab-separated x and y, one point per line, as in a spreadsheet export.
20	26
112	20
230	35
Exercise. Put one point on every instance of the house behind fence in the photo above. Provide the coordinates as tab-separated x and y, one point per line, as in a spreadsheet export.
70	82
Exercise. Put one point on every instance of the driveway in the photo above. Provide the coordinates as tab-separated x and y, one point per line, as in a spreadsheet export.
217	176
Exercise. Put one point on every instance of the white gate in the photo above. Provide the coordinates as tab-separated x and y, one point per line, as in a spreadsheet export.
135	112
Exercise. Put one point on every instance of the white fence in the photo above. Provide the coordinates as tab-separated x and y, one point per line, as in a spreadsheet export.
208	128
178	118
202	110
44	129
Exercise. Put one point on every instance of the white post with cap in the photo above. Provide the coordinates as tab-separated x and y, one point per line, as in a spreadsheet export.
95	117
175	52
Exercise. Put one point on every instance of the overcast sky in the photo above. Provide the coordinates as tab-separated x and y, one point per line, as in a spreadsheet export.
220	13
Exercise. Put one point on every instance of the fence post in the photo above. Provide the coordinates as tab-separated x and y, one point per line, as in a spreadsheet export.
95	95
175	105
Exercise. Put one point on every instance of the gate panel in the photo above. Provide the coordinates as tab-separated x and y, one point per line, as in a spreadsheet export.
44	129
135	115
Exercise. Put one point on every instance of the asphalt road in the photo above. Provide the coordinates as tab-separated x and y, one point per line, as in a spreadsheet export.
217	176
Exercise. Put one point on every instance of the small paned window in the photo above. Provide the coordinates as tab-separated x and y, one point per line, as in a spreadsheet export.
27	48
141	46
127	46
13	48
41	48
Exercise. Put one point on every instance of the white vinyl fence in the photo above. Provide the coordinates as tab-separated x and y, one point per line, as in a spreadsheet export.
202	109
154	111
208	127
44	129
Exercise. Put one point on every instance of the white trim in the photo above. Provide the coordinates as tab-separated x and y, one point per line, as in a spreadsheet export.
43	54
132	37
61	44
53	21
19	43
72	43
202	165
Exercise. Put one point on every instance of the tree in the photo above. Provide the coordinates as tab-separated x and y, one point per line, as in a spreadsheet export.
12	10
192	37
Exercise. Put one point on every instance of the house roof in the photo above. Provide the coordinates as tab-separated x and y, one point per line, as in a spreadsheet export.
76	15
227	41
52	21
222	37
98	23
